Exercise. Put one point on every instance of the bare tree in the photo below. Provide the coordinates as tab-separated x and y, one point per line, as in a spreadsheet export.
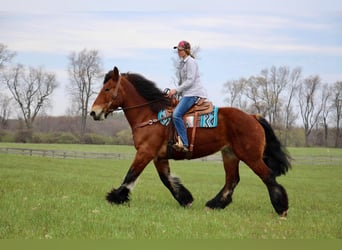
254	92
5	110
337	107
266	92
309	104
289	113
84	71
272	86
278	81
5	55
31	89
326	109
235	90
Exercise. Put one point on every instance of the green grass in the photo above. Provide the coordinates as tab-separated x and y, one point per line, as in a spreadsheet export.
46	198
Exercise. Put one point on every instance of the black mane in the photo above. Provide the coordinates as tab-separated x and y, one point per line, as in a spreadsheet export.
147	89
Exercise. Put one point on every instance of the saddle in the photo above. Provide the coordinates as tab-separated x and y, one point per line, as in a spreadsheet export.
202	106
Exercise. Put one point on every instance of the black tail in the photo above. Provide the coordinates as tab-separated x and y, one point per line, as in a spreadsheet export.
275	156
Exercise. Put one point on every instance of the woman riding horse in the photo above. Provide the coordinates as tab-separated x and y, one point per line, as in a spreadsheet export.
190	89
239	137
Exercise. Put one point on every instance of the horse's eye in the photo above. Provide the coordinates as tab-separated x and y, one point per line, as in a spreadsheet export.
106	90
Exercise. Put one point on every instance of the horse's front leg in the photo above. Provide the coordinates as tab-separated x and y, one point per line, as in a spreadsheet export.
179	192
121	195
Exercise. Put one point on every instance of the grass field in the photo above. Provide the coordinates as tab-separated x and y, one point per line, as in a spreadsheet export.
46	198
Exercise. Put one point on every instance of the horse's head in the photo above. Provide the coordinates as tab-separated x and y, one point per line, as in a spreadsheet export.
108	99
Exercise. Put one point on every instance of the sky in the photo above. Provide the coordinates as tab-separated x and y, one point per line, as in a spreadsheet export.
236	38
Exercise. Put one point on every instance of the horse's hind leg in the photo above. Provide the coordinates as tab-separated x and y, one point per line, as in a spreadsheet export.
231	167
179	192
277	192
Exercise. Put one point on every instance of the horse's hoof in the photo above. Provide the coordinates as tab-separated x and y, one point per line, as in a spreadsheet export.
188	205
283	215
118	196
208	209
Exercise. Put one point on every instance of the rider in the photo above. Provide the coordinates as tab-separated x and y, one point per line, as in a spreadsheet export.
189	89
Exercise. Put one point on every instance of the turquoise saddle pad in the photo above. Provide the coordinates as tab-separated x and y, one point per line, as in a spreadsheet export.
209	120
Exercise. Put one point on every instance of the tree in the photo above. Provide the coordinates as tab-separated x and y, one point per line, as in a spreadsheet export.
253	91
289	114
5	55
31	89
84	71
5	110
337	107
274	83
234	90
267	93
325	96
310	107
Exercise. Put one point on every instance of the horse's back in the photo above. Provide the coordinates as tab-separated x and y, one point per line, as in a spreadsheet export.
242	131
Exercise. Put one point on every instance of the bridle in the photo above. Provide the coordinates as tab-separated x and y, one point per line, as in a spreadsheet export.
115	94
143	124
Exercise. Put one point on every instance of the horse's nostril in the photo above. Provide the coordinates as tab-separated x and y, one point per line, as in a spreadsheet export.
92	113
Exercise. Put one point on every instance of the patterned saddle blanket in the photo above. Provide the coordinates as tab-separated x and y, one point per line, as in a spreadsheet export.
208	120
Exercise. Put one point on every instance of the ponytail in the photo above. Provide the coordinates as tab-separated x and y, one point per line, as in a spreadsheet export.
188	52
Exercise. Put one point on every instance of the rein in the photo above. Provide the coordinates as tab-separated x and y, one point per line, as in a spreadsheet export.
151	122
115	94
136	106
131	107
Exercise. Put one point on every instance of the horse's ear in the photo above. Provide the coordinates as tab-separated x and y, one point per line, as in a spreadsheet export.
116	73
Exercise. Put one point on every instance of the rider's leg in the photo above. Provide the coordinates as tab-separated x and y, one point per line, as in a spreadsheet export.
184	105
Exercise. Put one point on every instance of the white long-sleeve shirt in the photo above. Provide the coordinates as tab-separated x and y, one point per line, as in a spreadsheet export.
189	79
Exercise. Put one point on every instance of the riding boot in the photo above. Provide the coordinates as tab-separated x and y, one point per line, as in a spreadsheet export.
179	146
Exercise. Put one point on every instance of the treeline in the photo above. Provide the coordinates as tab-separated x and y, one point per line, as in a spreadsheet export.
116	131
288	100
67	129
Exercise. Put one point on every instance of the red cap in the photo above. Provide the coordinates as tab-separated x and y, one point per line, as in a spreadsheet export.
182	45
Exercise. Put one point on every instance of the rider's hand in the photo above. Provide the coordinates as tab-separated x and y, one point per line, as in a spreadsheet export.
171	93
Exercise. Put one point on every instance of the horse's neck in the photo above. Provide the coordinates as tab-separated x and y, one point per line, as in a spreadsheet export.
136	109
138	115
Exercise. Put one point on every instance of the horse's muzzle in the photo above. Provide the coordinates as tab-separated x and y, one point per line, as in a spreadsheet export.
97	114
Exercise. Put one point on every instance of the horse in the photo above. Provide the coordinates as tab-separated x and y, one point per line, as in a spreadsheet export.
238	135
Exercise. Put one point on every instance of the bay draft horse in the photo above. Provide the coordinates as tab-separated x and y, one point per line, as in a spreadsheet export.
239	137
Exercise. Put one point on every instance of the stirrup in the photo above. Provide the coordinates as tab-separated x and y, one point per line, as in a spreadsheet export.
179	146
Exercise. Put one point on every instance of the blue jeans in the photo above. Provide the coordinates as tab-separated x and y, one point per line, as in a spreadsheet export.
184	105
